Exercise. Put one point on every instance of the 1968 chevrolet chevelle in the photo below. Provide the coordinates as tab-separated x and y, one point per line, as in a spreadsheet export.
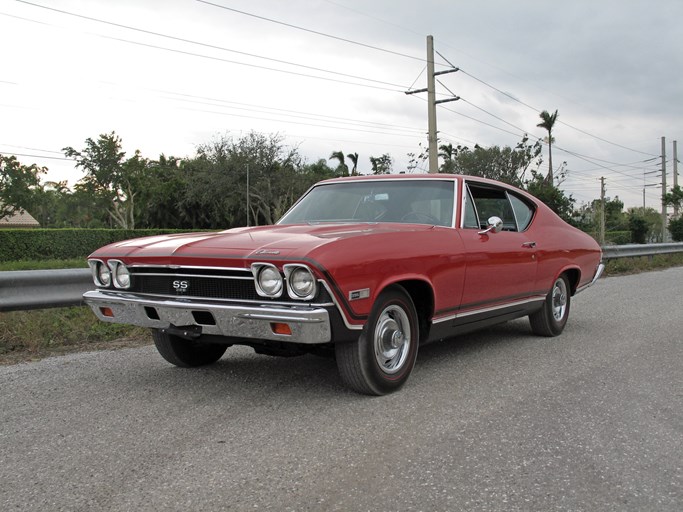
365	268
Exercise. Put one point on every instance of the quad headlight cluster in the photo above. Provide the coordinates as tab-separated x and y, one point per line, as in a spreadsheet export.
113	272
301	283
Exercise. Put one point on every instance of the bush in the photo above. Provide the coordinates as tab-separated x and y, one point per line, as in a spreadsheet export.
639	228
63	244
618	237
676	229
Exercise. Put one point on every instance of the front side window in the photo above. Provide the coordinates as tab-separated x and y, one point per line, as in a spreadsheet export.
403	201
484	202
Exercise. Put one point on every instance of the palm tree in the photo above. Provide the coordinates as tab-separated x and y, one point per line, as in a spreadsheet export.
548	123
448	153
354	158
342	167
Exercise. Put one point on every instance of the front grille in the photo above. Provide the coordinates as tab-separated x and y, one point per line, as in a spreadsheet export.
195	286
208	283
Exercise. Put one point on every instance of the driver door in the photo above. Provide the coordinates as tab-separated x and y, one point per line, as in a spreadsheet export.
500	266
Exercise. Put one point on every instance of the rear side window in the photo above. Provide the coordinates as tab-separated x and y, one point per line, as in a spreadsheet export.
485	201
524	212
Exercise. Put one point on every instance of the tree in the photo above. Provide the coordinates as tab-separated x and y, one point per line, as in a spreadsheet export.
548	122
638	228
552	196
354	158
676	229
18	185
109	176
417	160
164	188
342	168
447	152
216	195
381	164
674	198
652	224
506	164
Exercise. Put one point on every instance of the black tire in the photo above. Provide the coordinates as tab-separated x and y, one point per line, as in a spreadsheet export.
552	317
381	360
186	353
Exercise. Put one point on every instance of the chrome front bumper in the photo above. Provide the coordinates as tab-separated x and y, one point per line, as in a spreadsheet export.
308	325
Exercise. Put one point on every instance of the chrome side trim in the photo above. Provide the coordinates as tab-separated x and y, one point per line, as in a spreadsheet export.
340	309
538	298
309	325
489	309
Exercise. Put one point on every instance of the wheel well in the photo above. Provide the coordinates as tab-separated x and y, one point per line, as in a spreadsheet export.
423	299
574	275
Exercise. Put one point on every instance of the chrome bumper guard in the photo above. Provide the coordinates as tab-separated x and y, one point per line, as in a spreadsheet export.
598	272
308	325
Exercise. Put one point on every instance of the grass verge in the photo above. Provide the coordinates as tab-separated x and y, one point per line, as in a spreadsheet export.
31	335
622	266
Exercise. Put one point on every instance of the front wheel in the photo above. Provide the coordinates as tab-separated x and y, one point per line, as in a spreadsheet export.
382	358
552	317
186	353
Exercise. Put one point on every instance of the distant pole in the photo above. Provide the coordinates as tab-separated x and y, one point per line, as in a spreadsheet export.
247	195
431	113
643	199
601	227
663	189
675	175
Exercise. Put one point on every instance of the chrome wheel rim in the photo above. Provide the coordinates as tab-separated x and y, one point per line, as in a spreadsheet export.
559	299
392	339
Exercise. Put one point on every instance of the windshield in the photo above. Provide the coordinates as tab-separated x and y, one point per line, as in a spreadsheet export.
404	201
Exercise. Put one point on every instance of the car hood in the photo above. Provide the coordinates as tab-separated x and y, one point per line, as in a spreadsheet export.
291	241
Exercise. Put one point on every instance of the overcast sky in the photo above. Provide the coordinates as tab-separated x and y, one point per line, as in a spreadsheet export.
329	75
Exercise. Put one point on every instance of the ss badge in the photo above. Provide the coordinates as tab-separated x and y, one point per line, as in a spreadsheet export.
181	286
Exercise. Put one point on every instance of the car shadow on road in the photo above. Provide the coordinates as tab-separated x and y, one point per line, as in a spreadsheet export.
242	373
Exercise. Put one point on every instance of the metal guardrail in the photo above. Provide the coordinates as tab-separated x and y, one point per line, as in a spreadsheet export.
610	252
41	289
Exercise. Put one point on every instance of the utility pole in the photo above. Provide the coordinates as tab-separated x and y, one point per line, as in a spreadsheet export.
663	189
432	148
431	109
601	227
248	195
675	175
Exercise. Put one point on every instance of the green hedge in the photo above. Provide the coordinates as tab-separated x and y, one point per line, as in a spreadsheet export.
45	244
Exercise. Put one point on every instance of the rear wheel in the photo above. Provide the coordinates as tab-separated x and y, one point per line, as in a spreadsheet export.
381	360
552	317
186	353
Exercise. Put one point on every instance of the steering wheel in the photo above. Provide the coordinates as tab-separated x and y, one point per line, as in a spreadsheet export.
420	218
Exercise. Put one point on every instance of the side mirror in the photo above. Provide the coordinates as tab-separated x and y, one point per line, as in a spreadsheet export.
495	224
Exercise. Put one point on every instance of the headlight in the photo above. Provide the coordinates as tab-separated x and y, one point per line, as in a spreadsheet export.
101	274
302	284
121	276
268	280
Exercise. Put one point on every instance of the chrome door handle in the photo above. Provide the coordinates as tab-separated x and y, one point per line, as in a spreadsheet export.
531	245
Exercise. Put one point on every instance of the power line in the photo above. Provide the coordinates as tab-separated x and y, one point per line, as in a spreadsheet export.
206	45
323	34
40	156
559	121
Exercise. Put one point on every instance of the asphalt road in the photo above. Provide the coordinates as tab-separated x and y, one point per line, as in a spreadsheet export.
498	420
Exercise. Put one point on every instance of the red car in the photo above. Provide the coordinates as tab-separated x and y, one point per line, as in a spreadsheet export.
366	268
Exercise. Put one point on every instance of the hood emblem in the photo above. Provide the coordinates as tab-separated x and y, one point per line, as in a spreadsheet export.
274	252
